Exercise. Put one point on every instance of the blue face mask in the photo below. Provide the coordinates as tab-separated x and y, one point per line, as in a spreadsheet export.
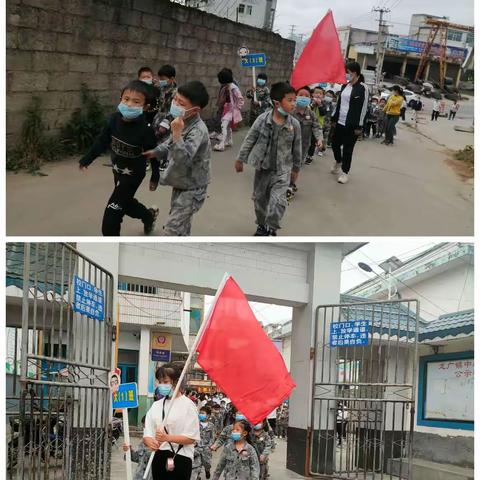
177	111
328	99
236	436
148	81
281	111
129	112
239	417
258	426
164	389
303	101
162	83
261	82
202	417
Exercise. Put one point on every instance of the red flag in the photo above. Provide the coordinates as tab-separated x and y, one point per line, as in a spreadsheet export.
321	59
239	357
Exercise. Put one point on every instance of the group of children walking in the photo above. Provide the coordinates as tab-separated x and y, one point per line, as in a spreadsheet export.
161	124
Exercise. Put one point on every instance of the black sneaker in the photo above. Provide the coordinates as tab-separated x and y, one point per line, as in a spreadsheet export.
262	231
150	224
294	188
272	233
290	194
207	474
308	160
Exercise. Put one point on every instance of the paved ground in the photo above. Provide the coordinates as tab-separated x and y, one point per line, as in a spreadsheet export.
277	462
407	189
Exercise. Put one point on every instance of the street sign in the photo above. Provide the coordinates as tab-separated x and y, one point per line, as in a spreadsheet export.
126	396
88	299
254	60
349	334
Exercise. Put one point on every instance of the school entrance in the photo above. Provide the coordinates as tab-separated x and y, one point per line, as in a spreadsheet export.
363	390
59	342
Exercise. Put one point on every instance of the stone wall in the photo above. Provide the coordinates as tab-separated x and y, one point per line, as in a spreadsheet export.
53	46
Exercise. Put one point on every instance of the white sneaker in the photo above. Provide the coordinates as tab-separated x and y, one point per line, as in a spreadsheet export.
219	147
343	178
337	168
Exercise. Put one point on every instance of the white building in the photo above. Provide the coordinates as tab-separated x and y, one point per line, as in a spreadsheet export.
257	13
419	30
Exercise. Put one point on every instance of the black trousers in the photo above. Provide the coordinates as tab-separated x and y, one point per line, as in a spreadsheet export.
346	138
390	127
402	113
182	470
435	115
313	146
123	202
452	115
370	126
273	424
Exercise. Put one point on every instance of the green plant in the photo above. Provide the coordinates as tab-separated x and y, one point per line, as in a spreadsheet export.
86	122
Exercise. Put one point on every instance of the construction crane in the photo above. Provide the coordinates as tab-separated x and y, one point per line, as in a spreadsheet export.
441	26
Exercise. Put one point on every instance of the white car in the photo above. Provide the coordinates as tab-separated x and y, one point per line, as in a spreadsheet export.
409	95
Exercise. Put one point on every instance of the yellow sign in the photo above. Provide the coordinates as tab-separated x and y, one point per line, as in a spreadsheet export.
161	346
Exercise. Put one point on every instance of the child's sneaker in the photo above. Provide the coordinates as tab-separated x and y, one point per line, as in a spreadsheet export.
207	474
163	165
219	147
150	224
308	160
337	168
272	233
294	188
262	231
320	153
343	178
229	144
214	136
290	194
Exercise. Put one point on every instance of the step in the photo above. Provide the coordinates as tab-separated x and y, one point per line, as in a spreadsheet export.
426	470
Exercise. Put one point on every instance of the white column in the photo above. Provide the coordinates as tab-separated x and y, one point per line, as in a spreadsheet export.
143	361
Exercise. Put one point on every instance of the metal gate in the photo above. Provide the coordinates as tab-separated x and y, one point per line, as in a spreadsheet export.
363	395
58	407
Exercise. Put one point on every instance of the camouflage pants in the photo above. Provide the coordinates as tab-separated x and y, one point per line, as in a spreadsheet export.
270	197
183	204
202	458
263	471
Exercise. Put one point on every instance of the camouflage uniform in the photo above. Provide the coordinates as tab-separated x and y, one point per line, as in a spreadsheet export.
310	126
263	98
273	168
141	456
217	420
263	446
236	465
327	122
188	172
165	100
224	437
203	455
282	421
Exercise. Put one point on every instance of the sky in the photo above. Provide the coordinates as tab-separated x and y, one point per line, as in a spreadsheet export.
306	14
372	253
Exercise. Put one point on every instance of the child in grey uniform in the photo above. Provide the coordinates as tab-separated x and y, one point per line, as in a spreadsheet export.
203	455
309	126
239	460
188	154
262	442
273	146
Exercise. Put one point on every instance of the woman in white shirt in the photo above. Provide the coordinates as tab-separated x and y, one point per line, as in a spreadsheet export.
174	444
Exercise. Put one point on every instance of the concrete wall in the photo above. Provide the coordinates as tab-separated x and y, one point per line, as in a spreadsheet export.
54	46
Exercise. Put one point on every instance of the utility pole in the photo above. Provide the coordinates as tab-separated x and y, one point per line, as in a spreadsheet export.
292	30
380	41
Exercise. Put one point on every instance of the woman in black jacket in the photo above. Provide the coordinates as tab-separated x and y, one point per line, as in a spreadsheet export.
348	120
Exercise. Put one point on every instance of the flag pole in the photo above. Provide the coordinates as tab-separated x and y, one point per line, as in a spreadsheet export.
192	352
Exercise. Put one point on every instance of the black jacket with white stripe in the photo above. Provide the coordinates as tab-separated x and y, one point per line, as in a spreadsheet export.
357	108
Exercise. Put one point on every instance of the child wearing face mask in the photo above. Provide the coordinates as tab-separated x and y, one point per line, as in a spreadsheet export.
239	460
309	126
262	442
262	102
167	86
141	456
331	104
145	75
319	108
187	153
203	454
224	437
127	135
273	146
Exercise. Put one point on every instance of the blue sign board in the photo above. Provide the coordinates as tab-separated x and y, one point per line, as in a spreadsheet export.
126	396
349	334
409	45
88	299
159	355
254	60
